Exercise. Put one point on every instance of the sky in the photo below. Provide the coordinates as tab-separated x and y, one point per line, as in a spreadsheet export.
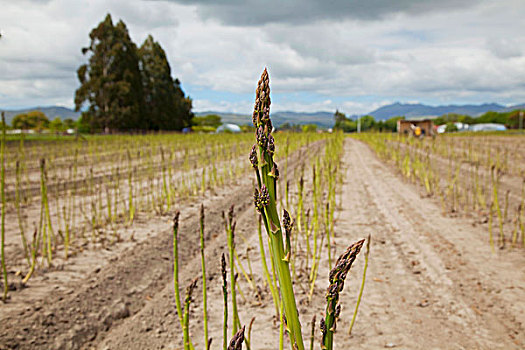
322	55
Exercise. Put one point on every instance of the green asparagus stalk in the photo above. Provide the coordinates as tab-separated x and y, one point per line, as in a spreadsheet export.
267	174
327	228
315	223
248	336
367	252
337	279
18	199
176	267
34	247
312	334
204	299
47	215
271	285
230	230
2	190
225	296
281	327
186	322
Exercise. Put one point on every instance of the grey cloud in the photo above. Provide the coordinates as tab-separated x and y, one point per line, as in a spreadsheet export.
322	49
504	47
142	14
328	44
256	12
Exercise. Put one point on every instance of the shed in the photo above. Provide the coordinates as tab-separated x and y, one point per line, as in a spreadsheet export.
424	127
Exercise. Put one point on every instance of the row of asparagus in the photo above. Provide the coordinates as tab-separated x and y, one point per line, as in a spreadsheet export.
282	245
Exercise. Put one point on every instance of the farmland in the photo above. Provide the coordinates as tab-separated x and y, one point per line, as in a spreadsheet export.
104	233
101	242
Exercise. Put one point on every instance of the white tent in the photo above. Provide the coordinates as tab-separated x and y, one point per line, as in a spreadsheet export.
229	128
487	127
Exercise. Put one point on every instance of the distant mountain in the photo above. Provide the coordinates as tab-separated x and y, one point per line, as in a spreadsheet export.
321	119
51	112
232	118
513	108
421	110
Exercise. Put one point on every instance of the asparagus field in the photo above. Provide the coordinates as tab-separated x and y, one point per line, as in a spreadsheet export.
197	241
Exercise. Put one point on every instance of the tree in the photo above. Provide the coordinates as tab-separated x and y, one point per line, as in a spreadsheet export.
309	128
391	124
164	108
344	123
290	127
56	125
339	118
207	120
32	120
69	124
451	127
513	119
367	122
111	81
183	104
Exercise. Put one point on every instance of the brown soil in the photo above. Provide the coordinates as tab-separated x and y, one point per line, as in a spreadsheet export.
432	281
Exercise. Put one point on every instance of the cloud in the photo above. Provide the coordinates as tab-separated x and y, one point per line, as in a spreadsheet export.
351	55
504	47
256	12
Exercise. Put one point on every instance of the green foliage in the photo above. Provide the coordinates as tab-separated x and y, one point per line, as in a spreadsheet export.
290	127
343	123
166	106
309	128
509	119
83	125
56	125
513	119
36	120
128	88
204	128
390	124
207	120
111	81
339	117
451	127
492	117
453	117
247	128
368	123
183	104
69	124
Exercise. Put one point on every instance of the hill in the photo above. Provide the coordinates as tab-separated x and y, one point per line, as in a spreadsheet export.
421	110
321	119
51	112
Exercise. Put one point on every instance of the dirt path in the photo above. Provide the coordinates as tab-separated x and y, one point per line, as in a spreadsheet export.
432	282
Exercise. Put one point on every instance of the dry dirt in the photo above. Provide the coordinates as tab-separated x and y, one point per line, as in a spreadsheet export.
432	281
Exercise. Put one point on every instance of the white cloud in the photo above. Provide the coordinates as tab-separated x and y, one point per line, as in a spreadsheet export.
337	56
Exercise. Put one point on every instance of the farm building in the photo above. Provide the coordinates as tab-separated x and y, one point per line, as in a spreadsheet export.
417	128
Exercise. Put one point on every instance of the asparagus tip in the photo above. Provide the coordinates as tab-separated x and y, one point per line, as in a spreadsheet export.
237	340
